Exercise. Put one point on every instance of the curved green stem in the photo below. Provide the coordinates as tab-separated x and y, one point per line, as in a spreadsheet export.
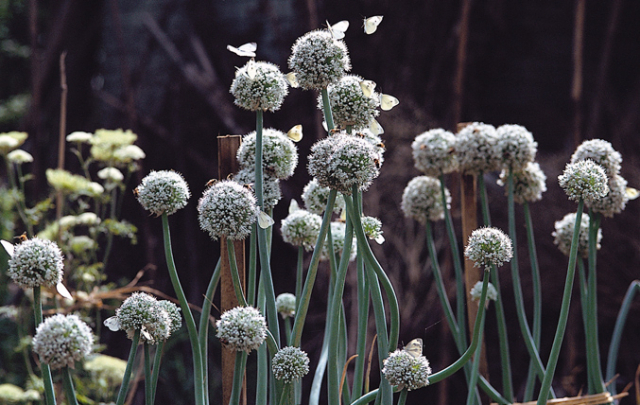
564	310
484	200
203	328
326	108
593	345
157	358
198	369
584	306
49	392
363	317
262	367
503	340
69	391
403	397
475	371
124	387
252	279
235	277
299	274
148	380
238	377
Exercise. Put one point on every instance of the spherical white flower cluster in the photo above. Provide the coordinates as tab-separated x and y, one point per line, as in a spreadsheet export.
36	262
422	199
155	320
477	148
317	60
528	183
600	152
271	193
434	152
227	209
290	364
404	370
615	201
301	228
163	192
516	146
373	228
338	236
315	198
259	86
489	246
342	161
279	153
563	235
476	292
286	305
349	105
242	329
61	340
584	179
373	139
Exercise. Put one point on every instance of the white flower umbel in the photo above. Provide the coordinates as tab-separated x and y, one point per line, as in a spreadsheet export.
615	201
404	370
601	152
317	59
79	137
584	179
286	305
528	183
422	199
143	312
477	148
111	174
128	153
434	152
290	364
515	146
301	228
315	198
488	246
342	161
564	233
476	292
61	340
36	262
349	105
279	153
338	234
259	86
19	156
163	192
271	192
242	329
227	209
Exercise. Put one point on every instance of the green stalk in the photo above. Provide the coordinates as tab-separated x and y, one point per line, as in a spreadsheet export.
484	201
564	311
19	202
148	391
299	273
366	398
203	328
124	387
617	332
457	266
403	397
157	358
316	385
363	317
252	271
69	391
385	394
198	369
584	306
22	205
326	109
235	277
593	346
303	305
503	340
49	392
262	391
475	371
238	377
287	398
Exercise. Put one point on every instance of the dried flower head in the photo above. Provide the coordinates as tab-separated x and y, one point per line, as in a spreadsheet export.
404	370
271	193
61	340
279	153
259	86
286	305
19	157
317	59
601	152
290	364
301	228
477	148
434	152
349	105
528	183
476	292
422	199
563	234
516	146
615	201
242	329
338	235
342	161
143	312
163	192
315	198
584	179
227	209
36	262
488	246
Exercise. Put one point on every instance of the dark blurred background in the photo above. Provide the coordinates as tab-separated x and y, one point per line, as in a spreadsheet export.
567	70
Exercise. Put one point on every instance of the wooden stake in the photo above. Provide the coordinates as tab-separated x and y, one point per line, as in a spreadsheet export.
228	164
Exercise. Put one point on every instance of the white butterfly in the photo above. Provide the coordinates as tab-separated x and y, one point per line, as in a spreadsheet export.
293	206
631	193
251	69
338	29
293	80
387	102
248	49
380	239
371	24
112	323
295	133
264	220
62	290
375	127
367	87
414	348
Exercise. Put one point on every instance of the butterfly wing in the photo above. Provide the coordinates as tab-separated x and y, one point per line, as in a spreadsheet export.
367	87
414	348
293	80
8	246
371	24
375	127
631	193
264	220
112	323
62	290
338	29
295	133
387	102
248	49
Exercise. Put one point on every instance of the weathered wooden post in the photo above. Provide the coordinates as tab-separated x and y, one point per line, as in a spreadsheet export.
228	164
